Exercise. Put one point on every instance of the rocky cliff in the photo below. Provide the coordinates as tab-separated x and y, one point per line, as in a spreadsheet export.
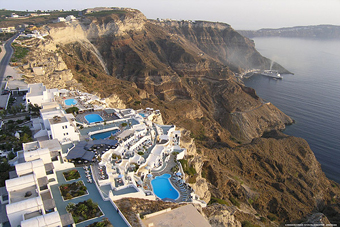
186	69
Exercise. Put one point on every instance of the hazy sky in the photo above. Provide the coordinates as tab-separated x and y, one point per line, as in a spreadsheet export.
240	14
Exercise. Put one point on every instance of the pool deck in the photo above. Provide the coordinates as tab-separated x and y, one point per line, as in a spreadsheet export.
107	208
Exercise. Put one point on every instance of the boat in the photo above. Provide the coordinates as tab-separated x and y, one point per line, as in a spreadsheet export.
272	73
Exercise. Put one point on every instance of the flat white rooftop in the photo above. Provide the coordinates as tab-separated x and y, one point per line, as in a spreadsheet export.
183	216
35	89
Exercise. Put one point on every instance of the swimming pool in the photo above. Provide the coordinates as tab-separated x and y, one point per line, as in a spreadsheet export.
104	135
142	114
93	118
162	187
70	102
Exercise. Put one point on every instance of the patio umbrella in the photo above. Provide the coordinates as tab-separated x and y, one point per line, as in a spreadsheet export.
120	175
178	174
149	175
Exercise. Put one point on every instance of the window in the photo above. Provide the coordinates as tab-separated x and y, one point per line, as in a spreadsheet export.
49	172
44	187
4	197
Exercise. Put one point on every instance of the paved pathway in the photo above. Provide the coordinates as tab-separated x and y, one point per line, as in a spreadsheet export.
107	208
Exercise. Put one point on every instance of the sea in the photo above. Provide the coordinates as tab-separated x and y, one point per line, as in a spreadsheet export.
311	96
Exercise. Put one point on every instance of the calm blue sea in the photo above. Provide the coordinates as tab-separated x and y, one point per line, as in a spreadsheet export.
311	96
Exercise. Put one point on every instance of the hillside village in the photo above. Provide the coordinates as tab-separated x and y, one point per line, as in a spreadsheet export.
121	151
77	140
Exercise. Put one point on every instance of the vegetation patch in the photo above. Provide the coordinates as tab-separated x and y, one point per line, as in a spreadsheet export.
5	168
115	156
188	169
104	223
71	175
70	191
73	109
19	52
8	140
83	211
217	200
234	201
272	217
248	224
105	13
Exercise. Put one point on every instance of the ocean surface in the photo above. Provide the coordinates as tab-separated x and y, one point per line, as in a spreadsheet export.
311	96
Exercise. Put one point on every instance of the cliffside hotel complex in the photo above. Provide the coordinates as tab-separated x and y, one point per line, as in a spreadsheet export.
125	153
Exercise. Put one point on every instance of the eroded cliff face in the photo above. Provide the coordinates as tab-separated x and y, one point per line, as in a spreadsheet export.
278	176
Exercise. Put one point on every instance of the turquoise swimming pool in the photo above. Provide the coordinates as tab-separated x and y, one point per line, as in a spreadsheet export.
93	118
70	102
142	114
163	188
104	135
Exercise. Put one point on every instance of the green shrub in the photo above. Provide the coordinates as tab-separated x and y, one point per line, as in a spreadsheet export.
114	156
217	200
73	109
263	219
11	155
250	201
188	169
204	173
247	224
234	201
175	169
272	217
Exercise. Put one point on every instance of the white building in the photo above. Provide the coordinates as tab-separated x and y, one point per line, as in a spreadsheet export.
38	94
27	200
71	18
46	220
29	196
55	124
61	19
8	29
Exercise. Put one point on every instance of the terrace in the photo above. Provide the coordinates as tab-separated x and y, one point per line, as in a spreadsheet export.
23	194
105	206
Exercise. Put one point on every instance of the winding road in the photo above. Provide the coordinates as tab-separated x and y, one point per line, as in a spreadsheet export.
6	58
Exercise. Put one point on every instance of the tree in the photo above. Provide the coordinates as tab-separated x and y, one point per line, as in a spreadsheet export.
70	207
26	138
35	109
11	155
73	110
2	113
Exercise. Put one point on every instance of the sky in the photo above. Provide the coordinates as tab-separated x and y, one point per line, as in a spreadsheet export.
240	14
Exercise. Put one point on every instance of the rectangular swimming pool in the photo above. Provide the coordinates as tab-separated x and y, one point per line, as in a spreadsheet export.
104	135
93	118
